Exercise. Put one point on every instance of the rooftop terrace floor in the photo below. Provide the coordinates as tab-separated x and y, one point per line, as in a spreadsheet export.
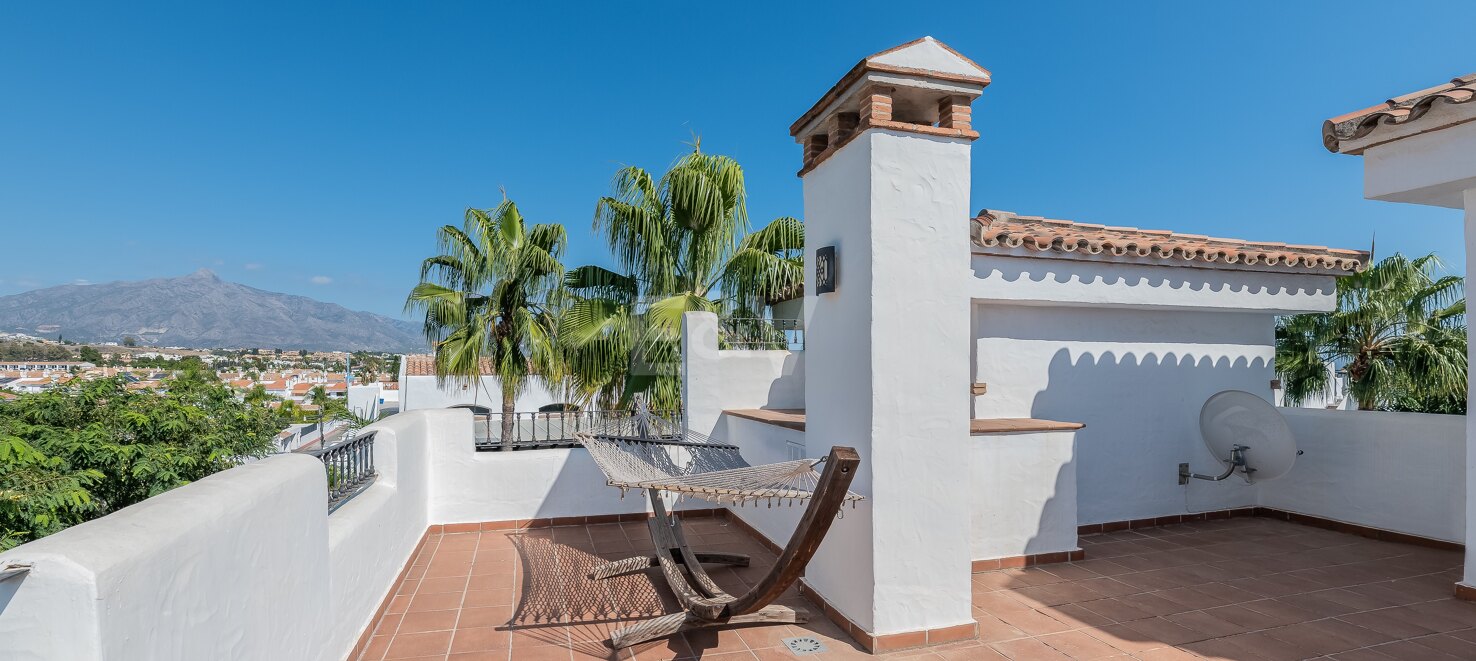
1244	589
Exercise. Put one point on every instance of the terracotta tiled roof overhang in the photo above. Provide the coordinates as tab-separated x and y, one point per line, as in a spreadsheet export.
1004	232
1396	111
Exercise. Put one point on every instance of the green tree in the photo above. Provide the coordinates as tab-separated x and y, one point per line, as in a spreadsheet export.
257	396
492	295
79	452
90	355
1399	332
681	246
130	341
318	397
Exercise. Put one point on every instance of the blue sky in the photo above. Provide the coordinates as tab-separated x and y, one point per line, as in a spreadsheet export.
313	148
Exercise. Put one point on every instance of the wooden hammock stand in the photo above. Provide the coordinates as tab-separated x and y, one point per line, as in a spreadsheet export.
704	604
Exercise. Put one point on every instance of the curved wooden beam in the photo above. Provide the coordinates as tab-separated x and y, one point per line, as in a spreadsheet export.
829	496
706	604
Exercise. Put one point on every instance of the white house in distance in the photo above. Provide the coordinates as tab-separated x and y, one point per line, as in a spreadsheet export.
1420	148
419	389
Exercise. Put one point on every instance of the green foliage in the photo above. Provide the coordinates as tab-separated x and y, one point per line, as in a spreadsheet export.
73	454
29	350
90	355
1399	332
492	295
680	241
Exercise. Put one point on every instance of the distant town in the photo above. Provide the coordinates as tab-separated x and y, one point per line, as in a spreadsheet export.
287	378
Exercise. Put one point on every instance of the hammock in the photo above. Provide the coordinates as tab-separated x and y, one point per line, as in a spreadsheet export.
659	456
691	464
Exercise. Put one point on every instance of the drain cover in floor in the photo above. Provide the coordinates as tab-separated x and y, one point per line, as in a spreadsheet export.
804	646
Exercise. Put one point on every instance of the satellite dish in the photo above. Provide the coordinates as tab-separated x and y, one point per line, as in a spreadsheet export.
1244	432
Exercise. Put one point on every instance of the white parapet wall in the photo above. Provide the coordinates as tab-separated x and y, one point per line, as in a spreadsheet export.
249	564
234	566
1404	472
1023	494
1137	379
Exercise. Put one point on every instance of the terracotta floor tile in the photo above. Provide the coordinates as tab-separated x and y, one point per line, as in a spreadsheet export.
410	645
1078	645
480	639
542	653
489	616
1166	654
434	602
761	637
1266	647
976	653
496	597
494	655
1458	647
1124	638
710	641
423	621
1028	649
1032	622
1156	594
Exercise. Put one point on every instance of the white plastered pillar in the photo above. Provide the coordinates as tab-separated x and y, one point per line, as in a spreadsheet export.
1469	578
887	372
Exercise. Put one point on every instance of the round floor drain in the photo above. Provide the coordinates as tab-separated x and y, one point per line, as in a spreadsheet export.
804	646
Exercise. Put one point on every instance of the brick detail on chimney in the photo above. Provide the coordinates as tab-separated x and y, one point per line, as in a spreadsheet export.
876	105
815	146
954	112
842	126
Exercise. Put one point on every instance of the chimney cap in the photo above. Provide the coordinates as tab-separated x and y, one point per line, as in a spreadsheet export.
918	61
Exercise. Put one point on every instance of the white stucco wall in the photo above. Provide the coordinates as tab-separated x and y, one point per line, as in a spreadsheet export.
1432	168
1137	378
364	402
1023	494
422	392
1403	472
467	486
229	567
714	380
1144	283
371	537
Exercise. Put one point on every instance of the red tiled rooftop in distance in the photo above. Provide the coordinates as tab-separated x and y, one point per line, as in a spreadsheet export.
425	365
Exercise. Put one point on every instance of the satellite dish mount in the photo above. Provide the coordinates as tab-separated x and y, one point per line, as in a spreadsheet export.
1237	460
1234	421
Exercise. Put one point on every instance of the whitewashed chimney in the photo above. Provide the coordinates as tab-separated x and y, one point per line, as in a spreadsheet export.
886	182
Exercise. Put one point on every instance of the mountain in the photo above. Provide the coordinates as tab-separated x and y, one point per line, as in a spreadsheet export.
201	311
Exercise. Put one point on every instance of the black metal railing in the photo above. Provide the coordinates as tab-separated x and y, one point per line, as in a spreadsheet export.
754	334
350	466
528	430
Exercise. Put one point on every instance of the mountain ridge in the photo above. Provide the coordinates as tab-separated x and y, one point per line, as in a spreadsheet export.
202	311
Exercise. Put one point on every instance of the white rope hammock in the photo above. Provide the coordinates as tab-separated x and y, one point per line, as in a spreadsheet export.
645	452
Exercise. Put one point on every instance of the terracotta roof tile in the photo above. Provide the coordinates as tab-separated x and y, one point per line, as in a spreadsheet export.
1005	231
425	365
1398	110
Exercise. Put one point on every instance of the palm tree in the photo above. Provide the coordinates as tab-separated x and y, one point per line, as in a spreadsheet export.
318	397
257	395
491	295
677	242
1399	332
